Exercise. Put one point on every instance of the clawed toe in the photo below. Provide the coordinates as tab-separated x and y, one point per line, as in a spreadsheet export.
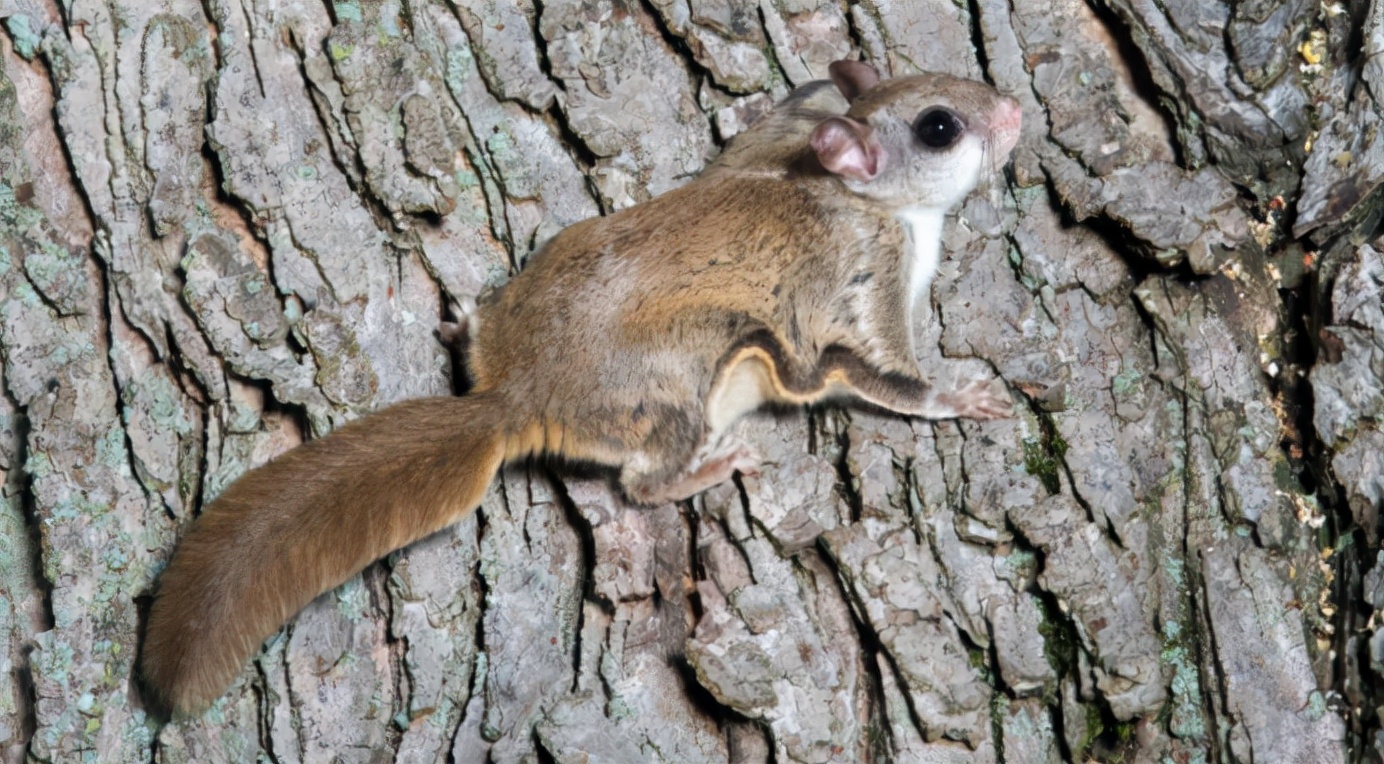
978	400
743	460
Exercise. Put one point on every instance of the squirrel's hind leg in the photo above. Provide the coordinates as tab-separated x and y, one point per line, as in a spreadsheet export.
712	465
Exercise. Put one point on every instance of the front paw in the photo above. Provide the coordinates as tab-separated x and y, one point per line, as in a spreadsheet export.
977	399
744	460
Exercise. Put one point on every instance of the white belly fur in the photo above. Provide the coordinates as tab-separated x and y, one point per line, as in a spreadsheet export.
745	388
922	227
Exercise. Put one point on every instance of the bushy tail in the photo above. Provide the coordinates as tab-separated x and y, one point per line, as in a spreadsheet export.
303	524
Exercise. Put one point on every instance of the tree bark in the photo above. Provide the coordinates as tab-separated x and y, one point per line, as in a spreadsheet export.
226	227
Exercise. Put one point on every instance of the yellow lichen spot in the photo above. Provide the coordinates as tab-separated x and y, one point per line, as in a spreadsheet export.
1313	49
1309	53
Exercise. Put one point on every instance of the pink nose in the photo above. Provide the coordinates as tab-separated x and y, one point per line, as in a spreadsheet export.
1004	126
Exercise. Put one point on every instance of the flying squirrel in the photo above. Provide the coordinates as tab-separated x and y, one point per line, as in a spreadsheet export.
787	272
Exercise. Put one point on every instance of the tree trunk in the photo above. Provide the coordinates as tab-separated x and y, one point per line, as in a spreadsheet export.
226	227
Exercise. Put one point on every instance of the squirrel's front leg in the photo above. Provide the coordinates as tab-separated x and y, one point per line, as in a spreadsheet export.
905	394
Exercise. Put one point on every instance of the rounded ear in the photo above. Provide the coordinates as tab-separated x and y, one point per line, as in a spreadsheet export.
853	77
849	148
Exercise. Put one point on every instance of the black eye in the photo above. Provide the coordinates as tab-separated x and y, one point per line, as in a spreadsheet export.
938	128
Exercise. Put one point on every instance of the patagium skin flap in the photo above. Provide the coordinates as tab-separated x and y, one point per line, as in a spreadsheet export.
787	272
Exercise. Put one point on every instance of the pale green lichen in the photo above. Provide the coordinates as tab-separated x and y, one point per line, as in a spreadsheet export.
239	746
439	718
611	664
243	418
460	62
64	510
14	552
27	296
11	211
1176	568
1021	562
25	37
500	145
352	600
348	10
1316	706
38	465
389	22
111	451
1186	720
293	312
164	404
53	660
115	559
1016	258
1127	381
617	710
71	351
496	275
471	214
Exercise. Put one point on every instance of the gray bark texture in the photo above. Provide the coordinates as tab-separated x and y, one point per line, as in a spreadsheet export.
230	225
